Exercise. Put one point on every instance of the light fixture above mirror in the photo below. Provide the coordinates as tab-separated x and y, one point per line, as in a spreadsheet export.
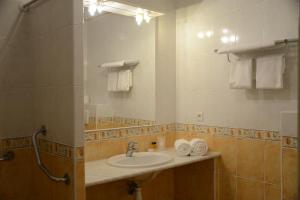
93	8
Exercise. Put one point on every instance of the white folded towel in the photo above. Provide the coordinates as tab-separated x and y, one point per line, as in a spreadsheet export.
121	63
269	71
125	80
112	81
241	74
113	64
199	147
182	147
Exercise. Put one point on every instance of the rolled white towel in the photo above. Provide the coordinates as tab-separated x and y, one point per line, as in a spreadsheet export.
199	147
182	147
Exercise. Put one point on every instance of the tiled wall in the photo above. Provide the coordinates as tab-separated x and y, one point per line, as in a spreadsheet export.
255	164
99	143
41	84
202	83
22	179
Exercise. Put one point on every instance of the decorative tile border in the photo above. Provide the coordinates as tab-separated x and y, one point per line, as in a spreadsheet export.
118	133
115	122
79	153
290	142
16	143
47	146
225	131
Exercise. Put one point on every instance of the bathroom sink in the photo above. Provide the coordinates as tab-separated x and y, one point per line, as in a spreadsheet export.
140	159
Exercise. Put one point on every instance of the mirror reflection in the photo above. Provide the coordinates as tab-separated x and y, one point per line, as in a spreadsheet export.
119	48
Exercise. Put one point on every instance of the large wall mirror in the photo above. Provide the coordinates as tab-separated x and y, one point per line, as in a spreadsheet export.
120	50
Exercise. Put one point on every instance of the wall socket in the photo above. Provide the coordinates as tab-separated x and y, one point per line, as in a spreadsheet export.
200	117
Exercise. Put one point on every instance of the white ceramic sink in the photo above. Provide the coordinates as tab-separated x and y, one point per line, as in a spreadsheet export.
140	159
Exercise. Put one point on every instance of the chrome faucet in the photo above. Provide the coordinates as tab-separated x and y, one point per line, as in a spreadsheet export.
131	147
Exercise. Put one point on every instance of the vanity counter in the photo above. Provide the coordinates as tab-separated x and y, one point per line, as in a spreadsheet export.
99	172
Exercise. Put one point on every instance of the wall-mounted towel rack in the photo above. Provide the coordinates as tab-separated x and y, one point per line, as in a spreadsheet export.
43	131
119	64
7	156
26	6
277	45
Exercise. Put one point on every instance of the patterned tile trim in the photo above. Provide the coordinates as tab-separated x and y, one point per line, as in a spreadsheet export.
234	132
15	143
118	133
115	122
290	142
51	147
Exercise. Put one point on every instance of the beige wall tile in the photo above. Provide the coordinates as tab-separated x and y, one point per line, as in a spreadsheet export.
16	176
183	135
272	192
62	166
80	180
249	190
273	162
250	158
290	173
112	147
42	187
227	183
228	148
92	151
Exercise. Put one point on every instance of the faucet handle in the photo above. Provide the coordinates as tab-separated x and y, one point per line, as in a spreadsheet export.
132	145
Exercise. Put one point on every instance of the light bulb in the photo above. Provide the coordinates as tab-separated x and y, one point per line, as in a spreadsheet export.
139	10
225	30
147	17
100	9
232	38
224	39
200	35
209	33
139	19
92	9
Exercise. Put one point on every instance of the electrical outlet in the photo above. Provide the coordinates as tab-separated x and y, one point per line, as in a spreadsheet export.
200	117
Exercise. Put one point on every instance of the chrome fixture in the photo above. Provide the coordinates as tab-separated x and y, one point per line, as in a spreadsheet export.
131	147
7	156
277	45
43	131
26	6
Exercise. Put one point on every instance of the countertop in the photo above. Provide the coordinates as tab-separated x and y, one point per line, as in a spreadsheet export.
99	172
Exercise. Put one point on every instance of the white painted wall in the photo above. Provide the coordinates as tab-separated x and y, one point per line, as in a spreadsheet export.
202	76
113	37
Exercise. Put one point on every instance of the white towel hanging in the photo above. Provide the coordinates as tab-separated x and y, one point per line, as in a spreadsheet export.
241	74
269	71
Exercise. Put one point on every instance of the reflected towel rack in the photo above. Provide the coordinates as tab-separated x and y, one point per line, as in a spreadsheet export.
7	156
119	64
43	131
277	45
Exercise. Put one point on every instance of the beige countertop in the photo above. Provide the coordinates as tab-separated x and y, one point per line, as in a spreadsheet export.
99	172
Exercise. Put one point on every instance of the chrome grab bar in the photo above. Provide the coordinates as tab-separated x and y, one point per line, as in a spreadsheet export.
7	156
43	131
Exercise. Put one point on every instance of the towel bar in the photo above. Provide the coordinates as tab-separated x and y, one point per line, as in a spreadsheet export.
7	156
65	178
